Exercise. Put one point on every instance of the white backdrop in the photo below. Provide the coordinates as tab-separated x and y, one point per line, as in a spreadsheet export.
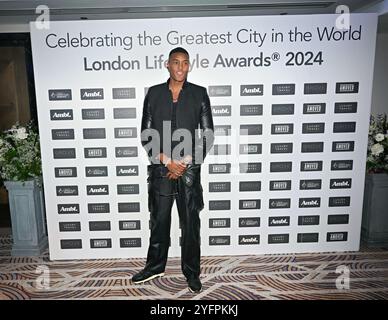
306	94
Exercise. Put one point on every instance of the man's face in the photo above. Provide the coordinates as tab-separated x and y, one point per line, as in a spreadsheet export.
178	65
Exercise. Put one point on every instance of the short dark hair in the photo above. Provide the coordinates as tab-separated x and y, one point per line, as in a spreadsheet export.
178	49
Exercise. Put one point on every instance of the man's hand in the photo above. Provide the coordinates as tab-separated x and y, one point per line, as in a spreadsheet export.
172	176
176	168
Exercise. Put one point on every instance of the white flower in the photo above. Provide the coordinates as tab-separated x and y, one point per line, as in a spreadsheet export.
21	134
379	137
377	149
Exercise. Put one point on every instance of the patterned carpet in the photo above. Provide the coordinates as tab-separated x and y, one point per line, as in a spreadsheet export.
262	277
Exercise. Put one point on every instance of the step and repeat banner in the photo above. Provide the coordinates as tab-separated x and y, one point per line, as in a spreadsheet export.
291	100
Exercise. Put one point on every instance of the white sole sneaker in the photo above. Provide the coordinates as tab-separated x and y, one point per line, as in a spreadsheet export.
192	291
149	278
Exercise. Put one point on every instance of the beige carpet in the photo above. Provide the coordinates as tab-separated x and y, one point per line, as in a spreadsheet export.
268	277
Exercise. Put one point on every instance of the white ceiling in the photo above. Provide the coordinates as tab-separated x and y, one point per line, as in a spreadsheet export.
16	14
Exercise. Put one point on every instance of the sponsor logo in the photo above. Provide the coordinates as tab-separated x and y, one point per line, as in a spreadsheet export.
339	201
93	114
220	91
219	223
98	208
127	171
279	203
280	185
278	221
341	146
71	244
69	226
100	243
130	242
345	107
249	222
344	127
94	133
281	166
307	237
62	114
62	134
251	148
125	132
251	110
219	205
346	87
283	128
249	204
224	130
309	202
66	153
282	109
219	186
338	219
124	113
129	207
314	108
251	129
67	190
124	93
65	172
96	171
250	186
126	152
337	236
220	149
283	89
127	189
97	189
311	166
219	168
315	88
313	128
92	94
59	94
250	167
70	208
249	239
308	220
340	183
99	225
95	152
129	225
312	147
310	184
281	147
219	240
251	90
221	111
278	238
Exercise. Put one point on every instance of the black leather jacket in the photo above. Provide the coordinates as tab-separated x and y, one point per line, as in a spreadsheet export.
193	112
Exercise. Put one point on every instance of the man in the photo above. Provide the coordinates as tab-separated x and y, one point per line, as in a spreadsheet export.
182	109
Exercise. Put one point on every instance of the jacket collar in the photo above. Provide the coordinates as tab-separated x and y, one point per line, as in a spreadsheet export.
183	86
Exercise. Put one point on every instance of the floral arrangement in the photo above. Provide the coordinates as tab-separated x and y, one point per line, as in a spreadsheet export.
377	160
20	157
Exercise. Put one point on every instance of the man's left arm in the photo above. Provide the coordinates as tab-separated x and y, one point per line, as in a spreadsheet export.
207	129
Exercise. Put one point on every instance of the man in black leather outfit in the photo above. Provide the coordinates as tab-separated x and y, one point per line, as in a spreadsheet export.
183	108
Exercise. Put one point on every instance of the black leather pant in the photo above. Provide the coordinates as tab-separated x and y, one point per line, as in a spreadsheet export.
162	193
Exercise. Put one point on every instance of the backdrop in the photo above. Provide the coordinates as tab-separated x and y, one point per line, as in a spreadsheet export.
290	98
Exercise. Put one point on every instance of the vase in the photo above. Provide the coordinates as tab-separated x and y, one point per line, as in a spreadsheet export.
374	227
27	209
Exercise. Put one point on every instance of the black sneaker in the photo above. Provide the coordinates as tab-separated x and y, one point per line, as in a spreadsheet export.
195	285
145	275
